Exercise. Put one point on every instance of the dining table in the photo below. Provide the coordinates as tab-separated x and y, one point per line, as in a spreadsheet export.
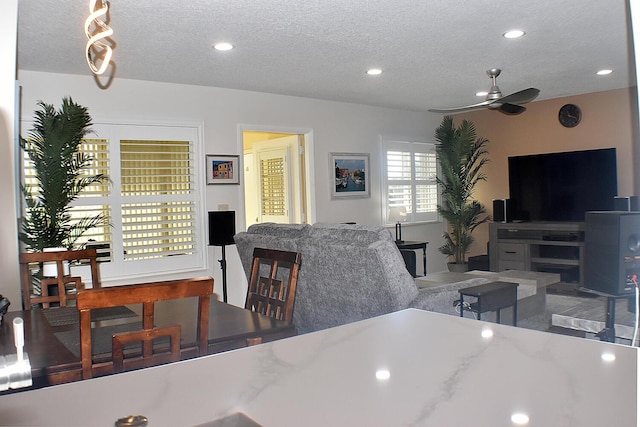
407	368
52	337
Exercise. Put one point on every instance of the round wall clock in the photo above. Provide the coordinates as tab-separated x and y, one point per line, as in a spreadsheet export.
569	115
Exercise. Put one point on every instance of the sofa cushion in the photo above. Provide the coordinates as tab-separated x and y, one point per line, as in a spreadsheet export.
350	233
290	231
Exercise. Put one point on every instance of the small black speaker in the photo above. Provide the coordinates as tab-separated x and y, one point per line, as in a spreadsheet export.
502	210
222	227
626	203
612	252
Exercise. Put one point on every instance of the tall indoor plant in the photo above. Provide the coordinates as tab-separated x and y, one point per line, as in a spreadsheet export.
461	155
62	172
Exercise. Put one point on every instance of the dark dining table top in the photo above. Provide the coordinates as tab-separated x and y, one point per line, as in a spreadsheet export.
54	361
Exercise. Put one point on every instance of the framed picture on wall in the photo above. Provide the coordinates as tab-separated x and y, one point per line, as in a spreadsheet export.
350	173
223	169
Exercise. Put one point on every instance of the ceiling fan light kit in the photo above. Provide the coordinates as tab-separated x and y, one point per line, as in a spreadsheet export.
494	100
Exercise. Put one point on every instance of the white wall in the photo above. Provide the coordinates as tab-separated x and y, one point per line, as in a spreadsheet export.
10	283
337	127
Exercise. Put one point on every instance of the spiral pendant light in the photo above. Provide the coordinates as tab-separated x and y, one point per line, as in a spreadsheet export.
97	52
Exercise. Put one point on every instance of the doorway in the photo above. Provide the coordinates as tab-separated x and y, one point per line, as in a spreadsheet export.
277	173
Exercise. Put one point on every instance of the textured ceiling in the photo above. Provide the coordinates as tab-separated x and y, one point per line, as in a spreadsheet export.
434	53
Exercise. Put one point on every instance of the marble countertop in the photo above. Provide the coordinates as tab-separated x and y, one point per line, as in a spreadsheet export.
409	368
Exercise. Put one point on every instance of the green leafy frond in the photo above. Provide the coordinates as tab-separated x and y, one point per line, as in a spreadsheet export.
462	156
53	146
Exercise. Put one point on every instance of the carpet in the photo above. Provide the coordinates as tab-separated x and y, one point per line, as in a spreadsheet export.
555	303
561	306
63	316
568	289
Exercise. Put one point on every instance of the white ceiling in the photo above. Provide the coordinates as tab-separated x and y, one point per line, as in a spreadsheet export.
434	53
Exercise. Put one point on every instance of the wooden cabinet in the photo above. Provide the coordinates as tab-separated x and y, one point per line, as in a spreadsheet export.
552	247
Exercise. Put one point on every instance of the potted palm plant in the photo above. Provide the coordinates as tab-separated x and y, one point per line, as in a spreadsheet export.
61	172
461	156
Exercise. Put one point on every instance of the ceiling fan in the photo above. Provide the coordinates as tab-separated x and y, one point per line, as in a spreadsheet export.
495	101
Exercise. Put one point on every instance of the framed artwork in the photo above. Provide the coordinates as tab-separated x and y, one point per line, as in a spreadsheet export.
222	169
350	171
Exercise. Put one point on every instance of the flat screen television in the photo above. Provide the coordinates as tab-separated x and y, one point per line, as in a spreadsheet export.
562	186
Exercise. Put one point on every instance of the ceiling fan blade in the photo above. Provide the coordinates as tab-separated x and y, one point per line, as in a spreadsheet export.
511	109
521	97
482	104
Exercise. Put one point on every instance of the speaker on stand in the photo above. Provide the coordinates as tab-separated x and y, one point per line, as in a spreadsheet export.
612	260
222	228
612	251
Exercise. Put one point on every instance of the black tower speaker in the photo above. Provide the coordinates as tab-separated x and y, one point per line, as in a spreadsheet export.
222	227
612	252
502	210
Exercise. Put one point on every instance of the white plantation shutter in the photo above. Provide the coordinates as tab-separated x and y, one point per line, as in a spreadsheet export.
409	179
158	210
272	187
274	184
93	200
153	200
426	190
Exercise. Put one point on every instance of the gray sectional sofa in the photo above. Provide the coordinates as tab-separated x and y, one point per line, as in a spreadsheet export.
348	273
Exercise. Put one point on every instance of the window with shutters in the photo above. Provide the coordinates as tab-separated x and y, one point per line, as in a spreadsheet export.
152	202
410	179
272	186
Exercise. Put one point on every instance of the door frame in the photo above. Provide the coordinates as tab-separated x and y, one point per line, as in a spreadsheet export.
309	162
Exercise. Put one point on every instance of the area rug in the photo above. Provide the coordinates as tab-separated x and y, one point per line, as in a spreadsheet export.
579	316
63	316
554	304
568	289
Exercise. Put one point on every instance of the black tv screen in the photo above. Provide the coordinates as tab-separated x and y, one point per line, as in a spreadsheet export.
562	186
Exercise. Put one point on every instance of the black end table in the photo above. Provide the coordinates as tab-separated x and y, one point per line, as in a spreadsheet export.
409	244
492	296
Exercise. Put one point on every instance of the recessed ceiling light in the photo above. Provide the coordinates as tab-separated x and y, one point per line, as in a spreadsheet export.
223	46
513	34
482	93
604	72
374	71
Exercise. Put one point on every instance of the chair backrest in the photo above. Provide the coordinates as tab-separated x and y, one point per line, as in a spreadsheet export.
148	356
31	296
146	294
273	295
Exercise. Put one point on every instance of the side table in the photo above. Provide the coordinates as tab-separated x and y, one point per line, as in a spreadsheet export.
409	244
492	296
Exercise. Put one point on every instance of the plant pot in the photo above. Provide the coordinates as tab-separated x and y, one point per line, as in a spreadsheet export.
50	269
458	267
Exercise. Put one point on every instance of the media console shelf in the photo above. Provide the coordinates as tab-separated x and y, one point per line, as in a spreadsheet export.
552	247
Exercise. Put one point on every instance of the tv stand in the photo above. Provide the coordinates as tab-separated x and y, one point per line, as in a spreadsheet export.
552	247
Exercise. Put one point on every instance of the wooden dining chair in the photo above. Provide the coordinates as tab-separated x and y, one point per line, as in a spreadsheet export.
34	294
149	356
273	294
146	294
